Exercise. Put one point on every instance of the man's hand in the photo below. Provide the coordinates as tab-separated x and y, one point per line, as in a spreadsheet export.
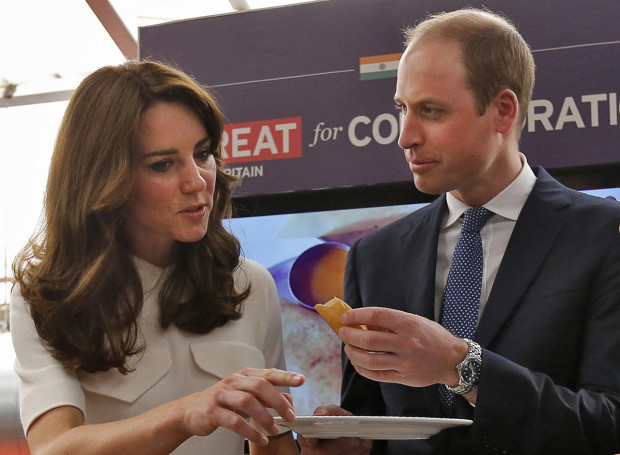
341	446
401	347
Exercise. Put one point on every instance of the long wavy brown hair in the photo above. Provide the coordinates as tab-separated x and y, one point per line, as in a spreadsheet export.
76	273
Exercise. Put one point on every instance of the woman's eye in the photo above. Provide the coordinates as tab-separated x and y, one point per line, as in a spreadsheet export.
203	155
161	166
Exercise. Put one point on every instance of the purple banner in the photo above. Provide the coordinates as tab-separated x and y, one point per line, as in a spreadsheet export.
307	89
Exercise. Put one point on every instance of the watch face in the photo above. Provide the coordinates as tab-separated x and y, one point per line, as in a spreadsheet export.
470	371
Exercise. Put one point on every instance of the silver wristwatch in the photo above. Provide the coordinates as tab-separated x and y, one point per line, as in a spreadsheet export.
469	369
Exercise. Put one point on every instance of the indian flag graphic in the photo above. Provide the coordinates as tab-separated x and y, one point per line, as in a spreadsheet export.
379	66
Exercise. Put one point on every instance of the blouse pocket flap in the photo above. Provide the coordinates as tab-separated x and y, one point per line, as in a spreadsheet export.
226	357
150	367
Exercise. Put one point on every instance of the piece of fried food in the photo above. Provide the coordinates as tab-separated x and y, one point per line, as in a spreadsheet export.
332	312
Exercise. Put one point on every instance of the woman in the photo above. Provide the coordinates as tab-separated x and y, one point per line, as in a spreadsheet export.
137	327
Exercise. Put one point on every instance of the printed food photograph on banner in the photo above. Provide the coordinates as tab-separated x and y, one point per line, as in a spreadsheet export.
306	254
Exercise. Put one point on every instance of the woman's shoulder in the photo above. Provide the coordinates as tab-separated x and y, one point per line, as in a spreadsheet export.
253	271
17	303
262	284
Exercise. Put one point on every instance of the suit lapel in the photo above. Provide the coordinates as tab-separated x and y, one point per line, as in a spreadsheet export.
534	235
419	259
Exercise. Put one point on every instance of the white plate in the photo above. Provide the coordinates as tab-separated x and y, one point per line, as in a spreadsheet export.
369	427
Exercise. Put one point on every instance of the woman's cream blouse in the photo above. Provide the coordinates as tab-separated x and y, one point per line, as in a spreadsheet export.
174	364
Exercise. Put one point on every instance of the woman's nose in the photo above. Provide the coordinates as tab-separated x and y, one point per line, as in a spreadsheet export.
193	180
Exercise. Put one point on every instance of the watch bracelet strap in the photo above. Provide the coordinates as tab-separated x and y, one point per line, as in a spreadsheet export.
474	351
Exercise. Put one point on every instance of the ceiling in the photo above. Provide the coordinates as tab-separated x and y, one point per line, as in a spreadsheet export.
49	46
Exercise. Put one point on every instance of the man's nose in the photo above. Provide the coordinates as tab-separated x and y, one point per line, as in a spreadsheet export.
410	132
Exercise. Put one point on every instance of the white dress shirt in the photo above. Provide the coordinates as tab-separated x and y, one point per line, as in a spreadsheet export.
495	234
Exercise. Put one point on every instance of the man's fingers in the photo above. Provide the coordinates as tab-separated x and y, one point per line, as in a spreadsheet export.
307	442
350	446
331	410
371	360
379	375
378	318
370	340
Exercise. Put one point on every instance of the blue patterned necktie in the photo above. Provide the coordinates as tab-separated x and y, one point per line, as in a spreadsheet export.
462	297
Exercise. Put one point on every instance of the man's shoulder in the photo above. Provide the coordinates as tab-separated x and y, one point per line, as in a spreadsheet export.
591	202
551	191
596	215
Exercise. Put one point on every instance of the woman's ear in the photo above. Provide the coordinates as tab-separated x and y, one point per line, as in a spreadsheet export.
507	106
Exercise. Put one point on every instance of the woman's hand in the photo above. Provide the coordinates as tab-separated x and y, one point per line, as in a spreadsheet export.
246	393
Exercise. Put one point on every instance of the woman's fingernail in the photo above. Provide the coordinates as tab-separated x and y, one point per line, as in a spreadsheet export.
290	415
264	440
275	428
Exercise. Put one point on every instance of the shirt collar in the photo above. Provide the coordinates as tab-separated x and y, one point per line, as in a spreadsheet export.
508	203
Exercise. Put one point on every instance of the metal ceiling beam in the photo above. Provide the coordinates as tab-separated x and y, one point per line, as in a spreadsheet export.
115	26
25	100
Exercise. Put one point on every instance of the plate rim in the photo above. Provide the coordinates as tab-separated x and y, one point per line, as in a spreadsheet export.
317	421
412	419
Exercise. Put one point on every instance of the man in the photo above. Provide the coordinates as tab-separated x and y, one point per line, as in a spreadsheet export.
541	373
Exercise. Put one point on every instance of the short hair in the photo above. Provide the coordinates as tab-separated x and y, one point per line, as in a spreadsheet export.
495	55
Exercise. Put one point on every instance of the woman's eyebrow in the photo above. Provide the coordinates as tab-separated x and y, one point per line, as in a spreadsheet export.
202	142
164	152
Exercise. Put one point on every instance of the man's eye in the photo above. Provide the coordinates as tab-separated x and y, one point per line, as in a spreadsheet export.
402	108
430	110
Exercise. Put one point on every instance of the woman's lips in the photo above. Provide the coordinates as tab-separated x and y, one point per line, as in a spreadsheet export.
196	211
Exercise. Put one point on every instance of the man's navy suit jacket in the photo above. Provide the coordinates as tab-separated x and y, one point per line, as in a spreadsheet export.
550	331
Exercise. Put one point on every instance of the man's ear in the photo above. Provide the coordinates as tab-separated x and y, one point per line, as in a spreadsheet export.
507	109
